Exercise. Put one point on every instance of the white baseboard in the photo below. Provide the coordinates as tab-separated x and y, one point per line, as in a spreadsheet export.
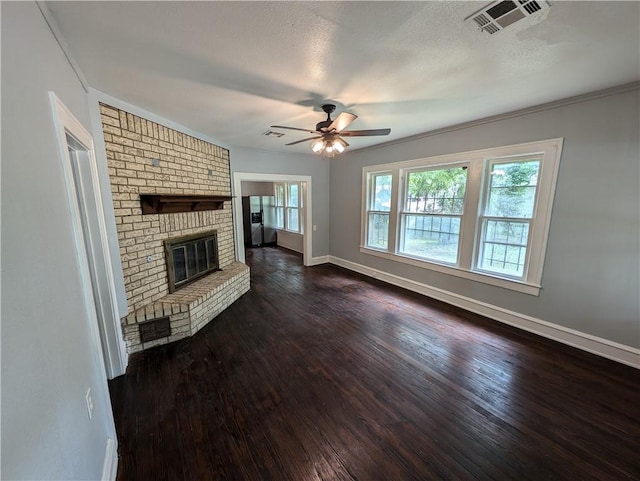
319	260
595	345
293	248
110	466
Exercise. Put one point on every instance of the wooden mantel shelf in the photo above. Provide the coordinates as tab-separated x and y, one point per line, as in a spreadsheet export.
172	203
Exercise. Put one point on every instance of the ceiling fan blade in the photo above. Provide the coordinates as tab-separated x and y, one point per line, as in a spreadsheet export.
303	140
341	122
364	133
293	128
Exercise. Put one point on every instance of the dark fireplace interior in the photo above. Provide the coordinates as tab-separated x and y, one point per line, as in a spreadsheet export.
190	257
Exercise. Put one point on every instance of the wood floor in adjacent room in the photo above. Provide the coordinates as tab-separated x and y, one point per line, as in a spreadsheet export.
318	373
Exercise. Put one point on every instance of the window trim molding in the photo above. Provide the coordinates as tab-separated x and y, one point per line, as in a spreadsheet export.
286	186
485	278
549	151
299	208
276	186
367	178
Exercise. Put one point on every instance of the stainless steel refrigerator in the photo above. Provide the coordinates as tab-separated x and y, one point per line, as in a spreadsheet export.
259	216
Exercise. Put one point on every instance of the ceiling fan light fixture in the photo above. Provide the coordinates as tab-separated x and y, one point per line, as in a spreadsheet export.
338	145
318	146
328	140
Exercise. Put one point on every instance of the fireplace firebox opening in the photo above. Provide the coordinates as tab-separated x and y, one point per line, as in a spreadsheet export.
190	257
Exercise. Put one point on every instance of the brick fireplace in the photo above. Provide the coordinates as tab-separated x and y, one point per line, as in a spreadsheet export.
149	160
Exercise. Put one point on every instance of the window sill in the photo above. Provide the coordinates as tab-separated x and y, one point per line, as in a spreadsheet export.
514	285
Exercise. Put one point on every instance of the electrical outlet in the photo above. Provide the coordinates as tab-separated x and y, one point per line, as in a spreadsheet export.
89	400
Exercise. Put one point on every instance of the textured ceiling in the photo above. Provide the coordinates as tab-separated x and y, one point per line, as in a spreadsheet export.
231	69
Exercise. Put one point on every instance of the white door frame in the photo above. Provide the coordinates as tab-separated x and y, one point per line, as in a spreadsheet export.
239	177
103	312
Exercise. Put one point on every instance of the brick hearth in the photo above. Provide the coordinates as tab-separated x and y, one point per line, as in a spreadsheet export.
145	157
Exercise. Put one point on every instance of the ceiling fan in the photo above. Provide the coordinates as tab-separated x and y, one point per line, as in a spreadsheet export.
329	133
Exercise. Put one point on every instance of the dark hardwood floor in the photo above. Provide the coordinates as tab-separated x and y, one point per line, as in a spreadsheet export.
321	374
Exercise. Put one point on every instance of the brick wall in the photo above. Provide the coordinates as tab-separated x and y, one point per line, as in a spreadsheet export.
147	158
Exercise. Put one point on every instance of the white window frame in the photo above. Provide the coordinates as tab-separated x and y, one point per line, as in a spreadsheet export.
279	203
482	216
403	212
370	201
477	162
286	207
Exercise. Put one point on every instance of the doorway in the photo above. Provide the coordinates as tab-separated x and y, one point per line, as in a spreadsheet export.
90	236
261	217
250	180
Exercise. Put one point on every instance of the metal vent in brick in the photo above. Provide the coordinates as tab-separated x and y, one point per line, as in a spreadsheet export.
503	13
154	329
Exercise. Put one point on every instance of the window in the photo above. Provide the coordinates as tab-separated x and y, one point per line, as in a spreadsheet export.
482	215
279	204
433	207
508	212
288	200
293	207
378	214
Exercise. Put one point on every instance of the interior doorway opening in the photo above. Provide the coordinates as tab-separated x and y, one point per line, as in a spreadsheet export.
270	210
90	237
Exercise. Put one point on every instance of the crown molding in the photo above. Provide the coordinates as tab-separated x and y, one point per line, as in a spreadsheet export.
509	115
64	46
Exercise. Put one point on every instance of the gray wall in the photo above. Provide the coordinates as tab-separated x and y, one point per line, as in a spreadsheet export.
262	162
49	355
590	281
257	188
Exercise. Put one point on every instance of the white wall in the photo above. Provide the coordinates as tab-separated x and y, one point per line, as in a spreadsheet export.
262	162
591	274
49	352
291	240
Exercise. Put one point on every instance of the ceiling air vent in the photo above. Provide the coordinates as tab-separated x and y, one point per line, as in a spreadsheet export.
273	133
499	15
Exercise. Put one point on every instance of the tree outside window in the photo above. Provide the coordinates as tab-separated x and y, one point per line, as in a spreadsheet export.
432	213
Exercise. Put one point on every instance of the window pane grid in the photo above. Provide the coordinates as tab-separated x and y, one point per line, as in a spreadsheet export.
504	246
512	189
432	214
504	259
434	205
430	236
378	232
288	206
292	200
381	193
436	191
293	221
431	224
280	217
509	209
378	208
